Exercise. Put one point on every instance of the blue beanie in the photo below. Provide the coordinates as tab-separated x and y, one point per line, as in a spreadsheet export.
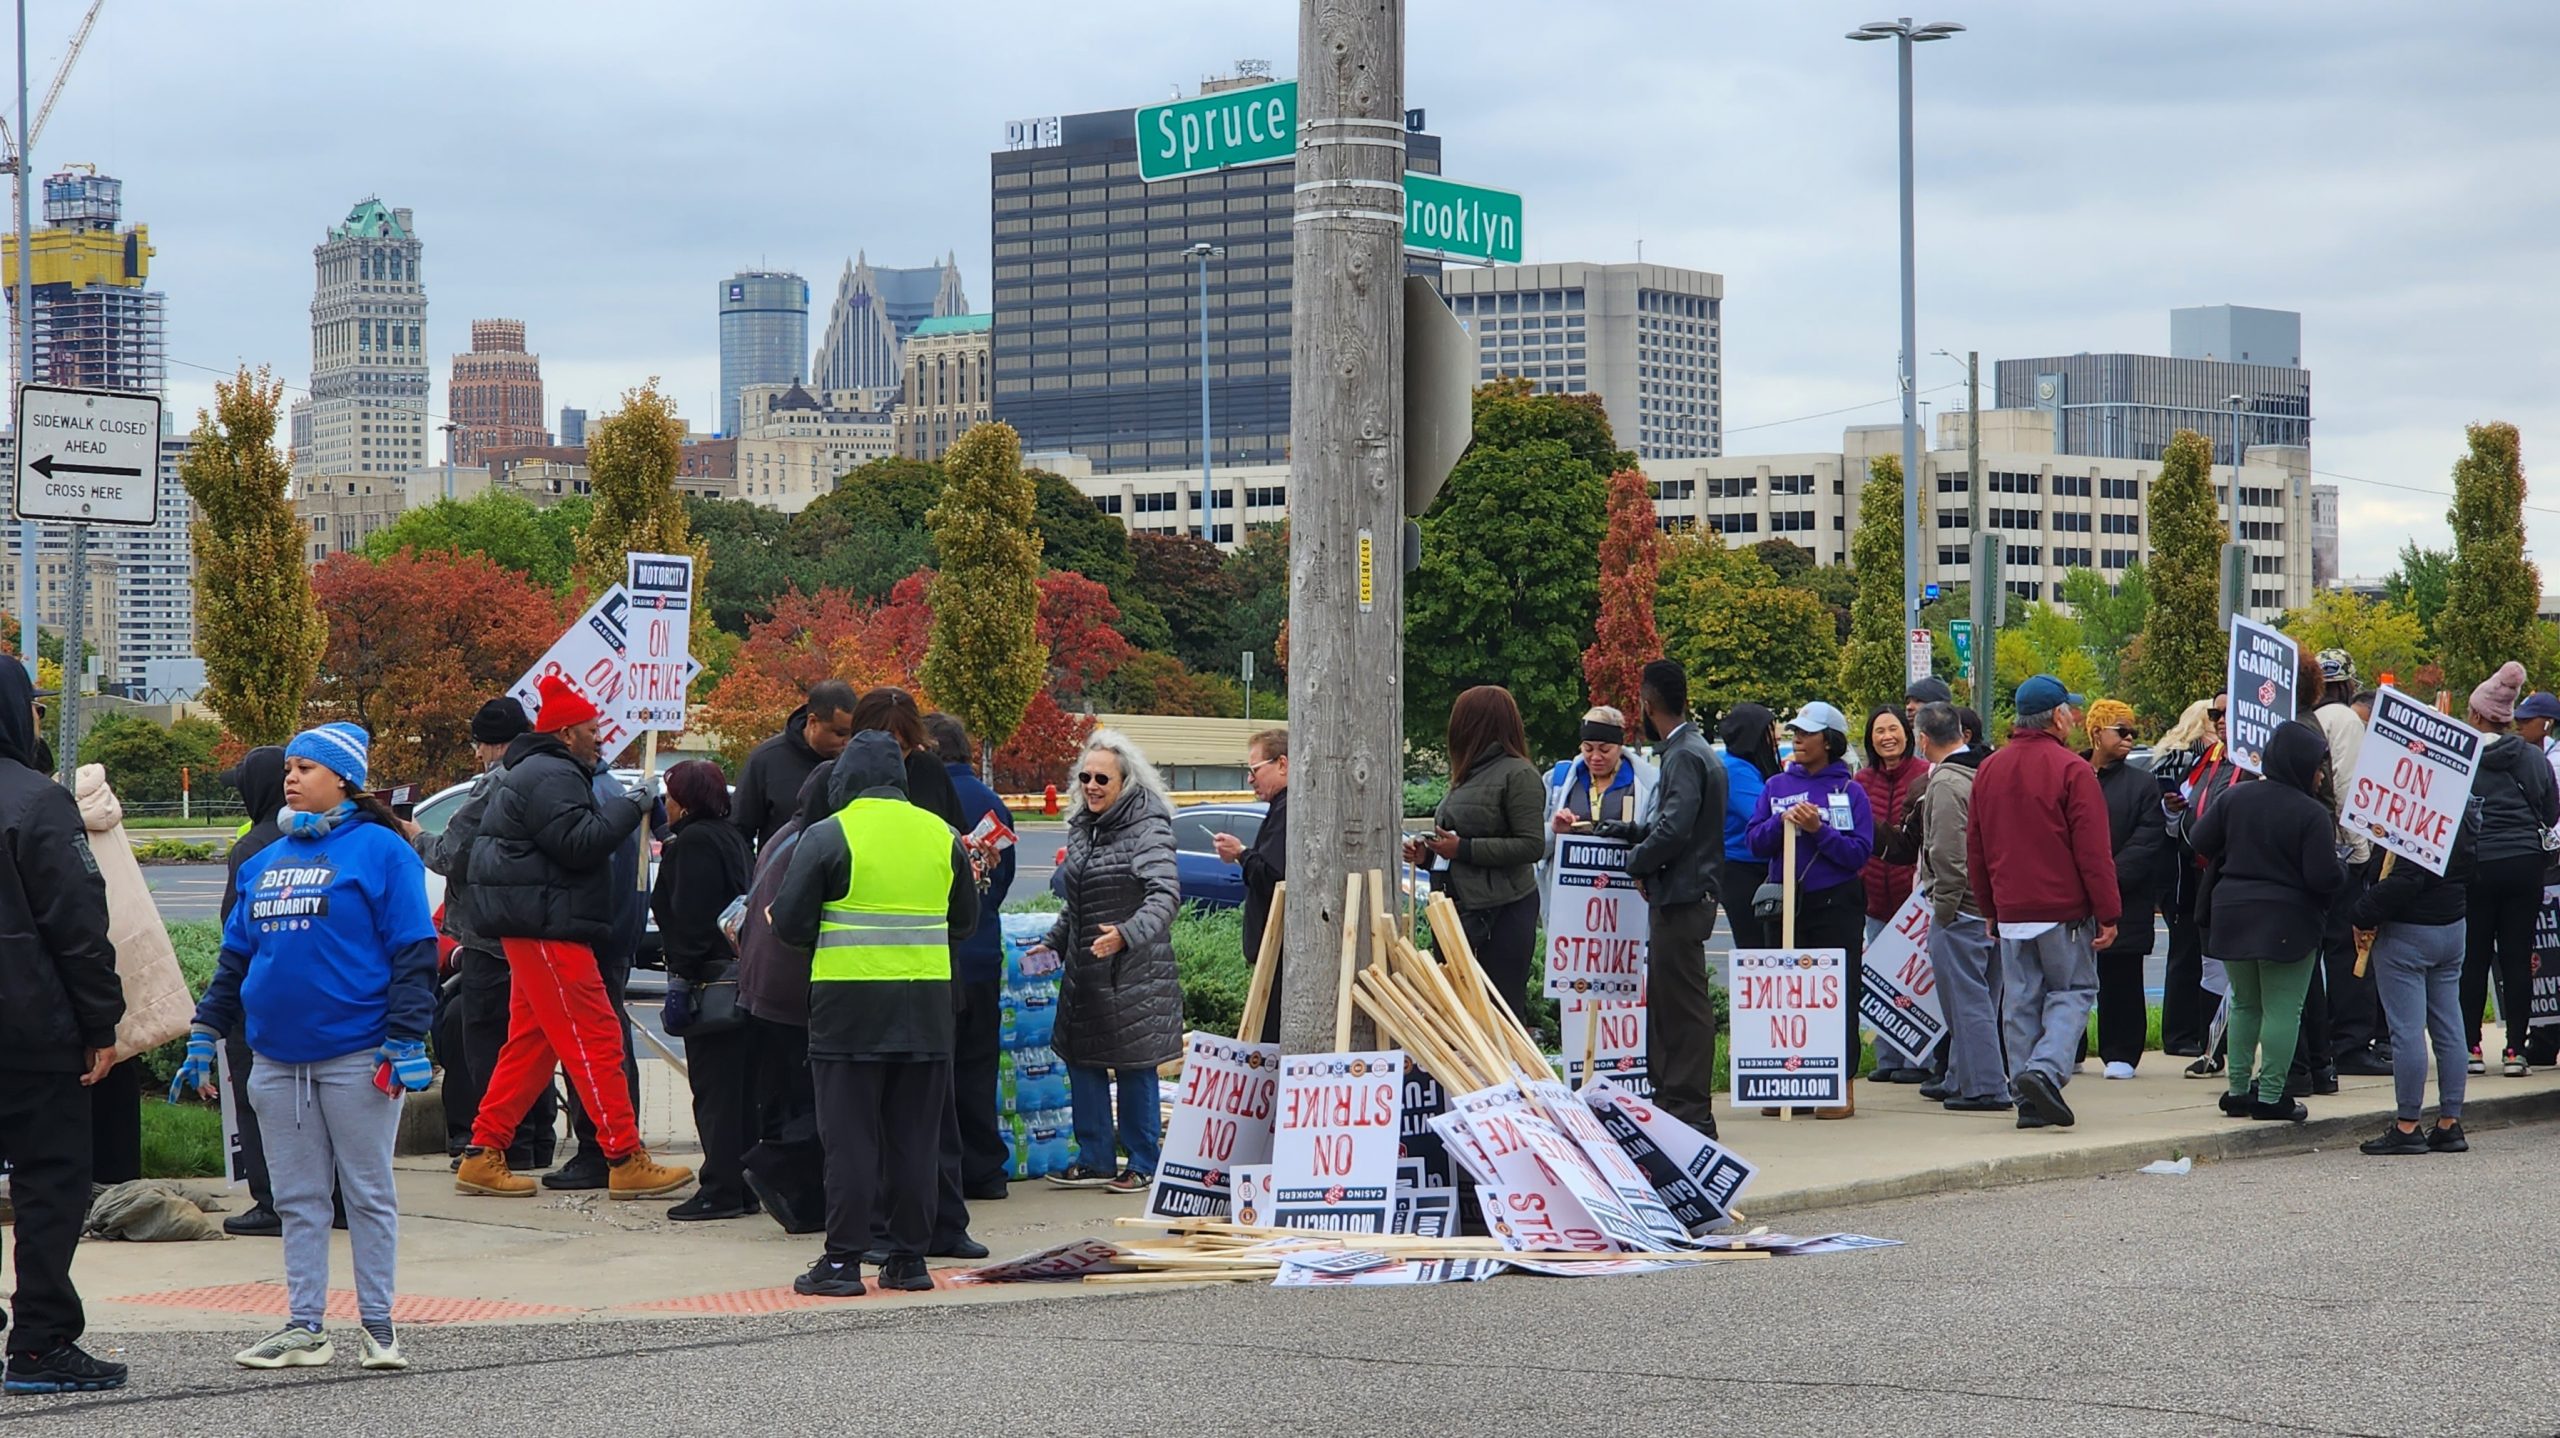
339	748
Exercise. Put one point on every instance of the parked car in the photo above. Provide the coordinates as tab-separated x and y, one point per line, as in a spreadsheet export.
1207	880
437	810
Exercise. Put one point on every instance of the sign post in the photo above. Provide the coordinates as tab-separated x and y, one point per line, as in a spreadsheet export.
85	456
2265	669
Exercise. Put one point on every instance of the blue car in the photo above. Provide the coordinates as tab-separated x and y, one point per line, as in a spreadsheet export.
1207	880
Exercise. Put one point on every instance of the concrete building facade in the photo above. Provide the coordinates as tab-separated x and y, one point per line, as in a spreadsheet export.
367	412
494	399
53	599
948	384
342	511
2324	536
1647	338
876	311
764	335
1167	501
2128	405
793	445
1095	325
154	613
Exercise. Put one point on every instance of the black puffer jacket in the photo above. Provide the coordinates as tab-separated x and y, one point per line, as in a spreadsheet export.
449	854
2511	800
2138	831
543	866
1124	1011
2411	895
2274	845
59	994
768	788
702	868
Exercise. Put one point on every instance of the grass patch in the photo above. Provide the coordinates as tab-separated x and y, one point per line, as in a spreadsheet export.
180	1140
174	851
199	820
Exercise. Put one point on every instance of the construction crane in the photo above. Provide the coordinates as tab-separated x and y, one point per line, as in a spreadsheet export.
13	153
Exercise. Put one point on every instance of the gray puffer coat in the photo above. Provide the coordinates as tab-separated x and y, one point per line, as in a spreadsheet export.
1124	1011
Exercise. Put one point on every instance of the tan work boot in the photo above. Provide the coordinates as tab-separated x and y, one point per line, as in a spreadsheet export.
1846	1110
485	1171
637	1175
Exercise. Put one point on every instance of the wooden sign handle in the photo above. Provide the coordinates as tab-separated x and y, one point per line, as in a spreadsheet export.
1350	962
1266	967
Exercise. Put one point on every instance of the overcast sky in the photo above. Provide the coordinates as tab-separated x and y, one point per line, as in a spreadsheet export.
2390	170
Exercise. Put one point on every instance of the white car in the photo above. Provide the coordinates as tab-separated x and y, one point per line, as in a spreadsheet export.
437	810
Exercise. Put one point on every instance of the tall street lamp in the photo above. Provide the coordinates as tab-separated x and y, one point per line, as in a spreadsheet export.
1204	252
1905	35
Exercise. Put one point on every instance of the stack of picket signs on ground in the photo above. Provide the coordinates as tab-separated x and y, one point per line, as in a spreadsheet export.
1349	1168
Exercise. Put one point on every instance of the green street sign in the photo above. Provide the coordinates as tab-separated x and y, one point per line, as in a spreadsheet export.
1467	222
1254	125
1960	631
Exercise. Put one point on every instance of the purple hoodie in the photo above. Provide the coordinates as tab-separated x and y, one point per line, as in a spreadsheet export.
1827	857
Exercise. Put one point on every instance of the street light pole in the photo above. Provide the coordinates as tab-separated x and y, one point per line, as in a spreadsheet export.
449	429
1904	35
1205	252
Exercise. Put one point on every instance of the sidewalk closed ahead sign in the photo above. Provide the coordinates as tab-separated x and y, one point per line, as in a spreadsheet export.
2413	779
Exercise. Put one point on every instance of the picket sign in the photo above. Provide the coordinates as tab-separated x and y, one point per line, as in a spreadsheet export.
1901	992
1249	1193
1788	1044
1635	1192
2264	671
2545	1005
1613	1043
588	657
1334	1140
2413	778
1596	922
1695	1177
1221	1118
1551	1197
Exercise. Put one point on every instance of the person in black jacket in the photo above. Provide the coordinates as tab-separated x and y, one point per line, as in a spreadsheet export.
786	1169
542	883
2411	923
1265	861
769	786
259	779
701	871
2138	828
60	1002
979	978
2512	802
2273	851
1679	859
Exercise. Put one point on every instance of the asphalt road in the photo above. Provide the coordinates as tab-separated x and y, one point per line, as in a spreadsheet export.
2317	1294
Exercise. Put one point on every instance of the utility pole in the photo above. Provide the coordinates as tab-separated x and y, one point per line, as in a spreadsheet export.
1347	444
1979	670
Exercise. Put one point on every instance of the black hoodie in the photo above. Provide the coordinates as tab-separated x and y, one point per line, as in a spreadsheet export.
260	779
769	782
59	994
773	978
2275	847
2511	800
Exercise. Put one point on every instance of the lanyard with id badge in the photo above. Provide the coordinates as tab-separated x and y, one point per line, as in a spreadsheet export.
1835	809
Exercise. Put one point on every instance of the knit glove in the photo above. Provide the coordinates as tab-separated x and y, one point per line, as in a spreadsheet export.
408	1060
196	1073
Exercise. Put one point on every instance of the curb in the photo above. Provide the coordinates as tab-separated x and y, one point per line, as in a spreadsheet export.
2243	1140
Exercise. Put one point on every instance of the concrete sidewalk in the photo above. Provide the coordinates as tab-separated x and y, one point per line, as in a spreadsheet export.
565	1257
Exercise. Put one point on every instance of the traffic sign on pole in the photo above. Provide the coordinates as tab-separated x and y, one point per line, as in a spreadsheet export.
1250	125
1918	653
88	456
1467	222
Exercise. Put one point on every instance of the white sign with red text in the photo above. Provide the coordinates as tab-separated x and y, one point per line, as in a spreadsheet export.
1696	1177
1790	1039
1221	1118
1334	1141
1596	921
1900	996
658	639
589	658
2413	779
1545	1190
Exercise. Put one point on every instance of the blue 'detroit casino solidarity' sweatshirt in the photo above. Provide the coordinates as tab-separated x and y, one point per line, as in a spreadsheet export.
330	948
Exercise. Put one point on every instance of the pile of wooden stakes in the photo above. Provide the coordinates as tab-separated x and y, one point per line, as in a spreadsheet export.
1446	1014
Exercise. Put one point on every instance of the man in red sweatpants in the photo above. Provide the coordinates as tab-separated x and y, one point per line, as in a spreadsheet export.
542	885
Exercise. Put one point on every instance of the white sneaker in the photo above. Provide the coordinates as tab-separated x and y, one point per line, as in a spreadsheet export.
2119	1071
385	1356
292	1346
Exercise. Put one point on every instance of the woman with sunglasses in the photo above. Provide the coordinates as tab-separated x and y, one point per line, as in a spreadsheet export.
1119	995
2193	982
2137	828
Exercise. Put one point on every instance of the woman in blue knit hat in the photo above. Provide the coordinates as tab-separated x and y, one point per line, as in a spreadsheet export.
329	960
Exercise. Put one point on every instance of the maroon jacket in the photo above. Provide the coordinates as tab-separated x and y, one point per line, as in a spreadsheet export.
1889	794
2037	845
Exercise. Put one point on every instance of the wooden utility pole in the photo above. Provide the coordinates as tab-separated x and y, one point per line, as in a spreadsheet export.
1346	491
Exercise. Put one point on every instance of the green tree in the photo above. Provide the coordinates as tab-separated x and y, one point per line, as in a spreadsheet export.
1258	574
1510	413
141	758
1076	535
632	459
1508	587
258	629
2110	616
2419	584
1873	666
750	564
1743	637
1185	578
986	659
2493	591
2179	658
2381	636
505	527
2041	639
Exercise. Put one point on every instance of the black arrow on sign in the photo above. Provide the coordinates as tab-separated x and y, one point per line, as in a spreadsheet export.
47	464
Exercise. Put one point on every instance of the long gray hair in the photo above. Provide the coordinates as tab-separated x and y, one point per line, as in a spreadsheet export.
1135	771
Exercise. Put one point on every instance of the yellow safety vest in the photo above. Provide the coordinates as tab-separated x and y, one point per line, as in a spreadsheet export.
893	922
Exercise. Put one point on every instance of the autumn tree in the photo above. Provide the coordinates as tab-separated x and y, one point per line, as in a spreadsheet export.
1874	667
2493	591
808	638
1079	628
2381	636
1042	747
416	642
2419	584
986	658
257	628
1741	635
633	455
1187	580
1630	565
1153	683
2110	616
2180	657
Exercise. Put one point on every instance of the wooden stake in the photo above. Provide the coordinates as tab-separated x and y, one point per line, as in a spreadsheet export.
648	779
1266	966
1350	962
1787	919
1590	1036
2364	941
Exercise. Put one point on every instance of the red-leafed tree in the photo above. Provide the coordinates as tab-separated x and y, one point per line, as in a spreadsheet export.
809	638
1630	567
1042	747
1080	626
416	642
904	628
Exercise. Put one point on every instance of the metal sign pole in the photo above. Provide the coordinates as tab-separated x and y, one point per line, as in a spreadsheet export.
74	628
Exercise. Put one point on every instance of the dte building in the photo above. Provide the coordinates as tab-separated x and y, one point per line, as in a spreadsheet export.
1095	335
764	335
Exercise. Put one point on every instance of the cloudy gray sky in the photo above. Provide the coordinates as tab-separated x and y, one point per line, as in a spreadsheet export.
2390	170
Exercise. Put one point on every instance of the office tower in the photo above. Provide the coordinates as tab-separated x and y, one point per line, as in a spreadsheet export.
2128	405
946	386
875	312
764	335
494	399
573	426
367	413
1648	339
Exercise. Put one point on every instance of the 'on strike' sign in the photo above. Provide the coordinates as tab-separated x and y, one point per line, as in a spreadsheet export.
2413	779
1596	922
1790	1042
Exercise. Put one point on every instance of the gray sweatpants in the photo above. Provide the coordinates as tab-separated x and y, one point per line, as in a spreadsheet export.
2052	984
2418	970
1968	967
324	1121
